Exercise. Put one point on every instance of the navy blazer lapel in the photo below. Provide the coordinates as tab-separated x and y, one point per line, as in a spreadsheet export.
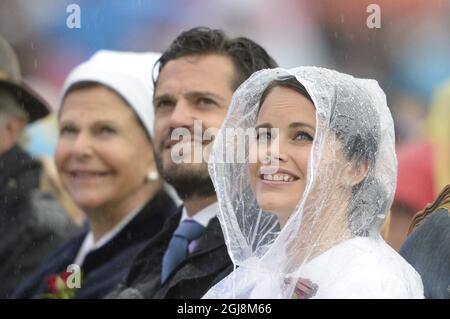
210	256
149	260
211	239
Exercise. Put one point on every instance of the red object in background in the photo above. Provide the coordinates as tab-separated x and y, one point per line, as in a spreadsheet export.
415	184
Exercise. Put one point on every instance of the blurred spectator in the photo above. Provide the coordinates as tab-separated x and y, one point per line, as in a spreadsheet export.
40	142
31	222
427	247
423	167
51	183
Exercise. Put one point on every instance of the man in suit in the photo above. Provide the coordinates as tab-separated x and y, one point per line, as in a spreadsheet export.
198	74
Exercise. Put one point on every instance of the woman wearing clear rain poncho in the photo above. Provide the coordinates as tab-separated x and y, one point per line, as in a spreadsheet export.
311	205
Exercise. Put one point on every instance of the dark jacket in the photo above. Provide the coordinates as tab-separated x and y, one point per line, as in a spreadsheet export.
427	248
106	266
32	223
204	267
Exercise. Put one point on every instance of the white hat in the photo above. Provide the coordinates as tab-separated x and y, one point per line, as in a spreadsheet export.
128	73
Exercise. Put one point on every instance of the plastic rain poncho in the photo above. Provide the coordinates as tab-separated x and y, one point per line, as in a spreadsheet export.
343	254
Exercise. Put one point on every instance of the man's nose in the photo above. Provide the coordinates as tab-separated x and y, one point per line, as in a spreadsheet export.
181	115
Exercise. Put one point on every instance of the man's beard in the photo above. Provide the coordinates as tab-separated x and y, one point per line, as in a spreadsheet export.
189	179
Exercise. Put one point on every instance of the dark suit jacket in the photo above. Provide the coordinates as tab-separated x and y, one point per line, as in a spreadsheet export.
105	267
204	267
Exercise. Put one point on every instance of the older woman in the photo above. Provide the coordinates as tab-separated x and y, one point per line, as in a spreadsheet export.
309	206
105	160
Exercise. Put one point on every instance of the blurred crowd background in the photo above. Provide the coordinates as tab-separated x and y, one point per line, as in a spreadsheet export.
408	55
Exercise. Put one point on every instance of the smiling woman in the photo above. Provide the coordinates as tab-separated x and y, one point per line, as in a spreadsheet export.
100	136
279	188
105	159
314	214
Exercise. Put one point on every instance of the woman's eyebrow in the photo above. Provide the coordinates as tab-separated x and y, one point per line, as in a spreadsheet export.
98	122
300	124
104	122
263	125
66	122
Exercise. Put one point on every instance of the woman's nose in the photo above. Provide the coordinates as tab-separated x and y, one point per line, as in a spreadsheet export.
276	151
82	147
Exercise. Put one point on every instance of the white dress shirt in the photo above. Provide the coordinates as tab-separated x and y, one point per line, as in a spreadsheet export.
203	217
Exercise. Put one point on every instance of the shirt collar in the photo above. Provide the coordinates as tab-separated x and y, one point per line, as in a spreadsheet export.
89	245
204	216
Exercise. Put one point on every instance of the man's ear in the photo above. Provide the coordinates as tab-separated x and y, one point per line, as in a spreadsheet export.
356	172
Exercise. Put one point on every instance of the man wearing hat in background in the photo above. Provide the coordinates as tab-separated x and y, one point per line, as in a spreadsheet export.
32	224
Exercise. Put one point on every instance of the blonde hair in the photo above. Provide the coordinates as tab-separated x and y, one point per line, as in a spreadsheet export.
51	183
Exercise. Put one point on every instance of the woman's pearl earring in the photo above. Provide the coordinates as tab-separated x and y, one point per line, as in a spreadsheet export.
152	176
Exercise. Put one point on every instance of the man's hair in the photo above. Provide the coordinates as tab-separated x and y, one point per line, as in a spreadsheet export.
246	55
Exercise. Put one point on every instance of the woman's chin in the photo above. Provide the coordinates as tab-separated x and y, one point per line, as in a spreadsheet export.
88	204
272	205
